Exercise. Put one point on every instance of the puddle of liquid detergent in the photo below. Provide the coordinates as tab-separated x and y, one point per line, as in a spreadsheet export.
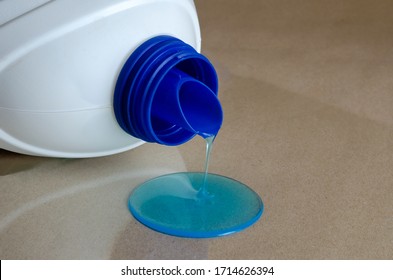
195	204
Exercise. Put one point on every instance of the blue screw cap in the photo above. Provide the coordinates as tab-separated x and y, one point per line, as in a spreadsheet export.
166	93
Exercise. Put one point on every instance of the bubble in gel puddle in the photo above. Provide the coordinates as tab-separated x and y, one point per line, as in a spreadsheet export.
195	204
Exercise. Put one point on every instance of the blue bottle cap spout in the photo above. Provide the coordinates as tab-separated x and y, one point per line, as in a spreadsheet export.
186	102
167	93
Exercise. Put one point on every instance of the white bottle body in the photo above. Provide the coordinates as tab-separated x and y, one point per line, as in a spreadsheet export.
59	64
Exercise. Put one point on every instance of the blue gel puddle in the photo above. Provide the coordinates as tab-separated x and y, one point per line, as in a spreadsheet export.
189	205
196	204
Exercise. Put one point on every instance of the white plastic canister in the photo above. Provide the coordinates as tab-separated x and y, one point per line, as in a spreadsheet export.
59	62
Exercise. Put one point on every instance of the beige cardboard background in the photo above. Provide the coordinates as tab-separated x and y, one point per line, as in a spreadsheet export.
307	92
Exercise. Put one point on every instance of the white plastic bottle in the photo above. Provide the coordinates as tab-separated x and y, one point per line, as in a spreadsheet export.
59	65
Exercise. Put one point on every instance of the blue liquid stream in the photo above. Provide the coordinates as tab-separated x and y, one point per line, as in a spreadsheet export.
195	204
203	193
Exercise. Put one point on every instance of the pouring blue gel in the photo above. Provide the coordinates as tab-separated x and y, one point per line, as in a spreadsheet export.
167	93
